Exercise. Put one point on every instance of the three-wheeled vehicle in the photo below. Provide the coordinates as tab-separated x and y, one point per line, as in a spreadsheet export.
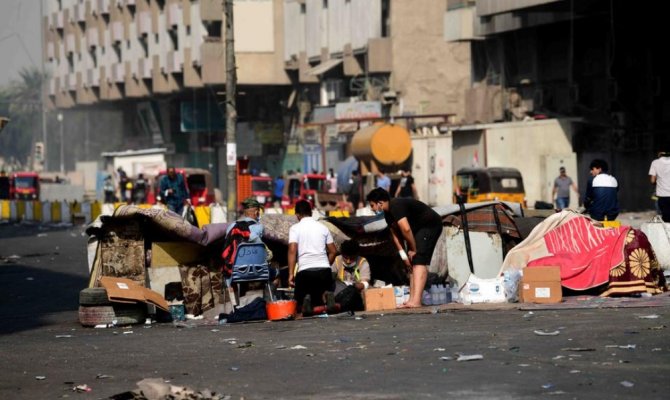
198	181
301	187
486	184
24	186
261	190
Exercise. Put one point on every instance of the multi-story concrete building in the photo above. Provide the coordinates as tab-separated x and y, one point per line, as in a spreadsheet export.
161	65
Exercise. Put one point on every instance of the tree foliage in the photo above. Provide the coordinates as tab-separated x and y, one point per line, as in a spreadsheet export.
20	101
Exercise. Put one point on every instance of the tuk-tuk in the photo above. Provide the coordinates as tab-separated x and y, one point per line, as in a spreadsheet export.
487	184
302	187
24	186
198	182
261	190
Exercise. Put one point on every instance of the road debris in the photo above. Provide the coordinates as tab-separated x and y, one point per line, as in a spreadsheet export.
627	384
546	333
650	316
469	357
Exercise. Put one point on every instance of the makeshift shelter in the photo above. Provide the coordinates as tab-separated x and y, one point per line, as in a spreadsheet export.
614	261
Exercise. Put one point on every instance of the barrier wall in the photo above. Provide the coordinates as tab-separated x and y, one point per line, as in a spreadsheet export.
83	213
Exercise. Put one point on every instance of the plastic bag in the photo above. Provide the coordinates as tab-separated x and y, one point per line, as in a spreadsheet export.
658	233
189	215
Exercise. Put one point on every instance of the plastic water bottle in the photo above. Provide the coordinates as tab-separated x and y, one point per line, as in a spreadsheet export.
443	294
454	294
447	294
435	294
426	298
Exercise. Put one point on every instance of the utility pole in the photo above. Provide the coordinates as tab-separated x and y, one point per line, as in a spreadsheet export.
231	110
43	93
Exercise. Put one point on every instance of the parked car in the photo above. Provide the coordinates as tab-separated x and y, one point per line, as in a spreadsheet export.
24	186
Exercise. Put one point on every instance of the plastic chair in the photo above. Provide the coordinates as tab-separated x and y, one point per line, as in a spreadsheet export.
250	265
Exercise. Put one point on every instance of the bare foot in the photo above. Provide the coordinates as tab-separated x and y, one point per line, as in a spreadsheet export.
410	305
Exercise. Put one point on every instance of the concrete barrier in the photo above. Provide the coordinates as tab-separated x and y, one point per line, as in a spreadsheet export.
86	212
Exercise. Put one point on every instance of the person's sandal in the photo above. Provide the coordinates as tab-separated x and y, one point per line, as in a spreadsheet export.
331	308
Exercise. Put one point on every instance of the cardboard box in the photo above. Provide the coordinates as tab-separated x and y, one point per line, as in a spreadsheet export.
123	290
541	285
376	299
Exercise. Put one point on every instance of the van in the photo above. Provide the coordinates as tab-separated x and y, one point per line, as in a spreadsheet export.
489	184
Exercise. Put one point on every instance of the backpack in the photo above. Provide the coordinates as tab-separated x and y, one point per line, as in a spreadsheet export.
239	234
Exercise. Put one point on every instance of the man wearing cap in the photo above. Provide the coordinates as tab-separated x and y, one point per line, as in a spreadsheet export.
561	191
251	214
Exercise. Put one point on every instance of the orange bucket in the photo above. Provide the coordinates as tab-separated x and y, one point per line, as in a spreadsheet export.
281	309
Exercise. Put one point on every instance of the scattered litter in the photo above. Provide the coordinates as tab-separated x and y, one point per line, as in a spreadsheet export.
557	357
14	257
103	376
524	365
650	316
63	336
528	314
214	330
657	349
245	345
627	384
628	346
40	377
81	388
191	316
545	333
280	347
556	393
30	278
514	349
439	349
298	347
575	371
42	235
309	355
361	347
446	358
234	368
657	328
547	386
578	349
469	357
358	318
127	332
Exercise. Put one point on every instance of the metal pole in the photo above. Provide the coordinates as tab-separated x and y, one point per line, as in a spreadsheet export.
62	146
45	159
231	110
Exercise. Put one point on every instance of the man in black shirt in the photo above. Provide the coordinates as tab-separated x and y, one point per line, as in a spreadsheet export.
415	224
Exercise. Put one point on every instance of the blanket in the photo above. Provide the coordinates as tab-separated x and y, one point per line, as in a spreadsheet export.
620	260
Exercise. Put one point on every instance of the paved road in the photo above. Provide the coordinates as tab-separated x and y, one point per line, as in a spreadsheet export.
598	353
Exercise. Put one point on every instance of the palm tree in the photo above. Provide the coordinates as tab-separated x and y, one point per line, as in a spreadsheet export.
21	101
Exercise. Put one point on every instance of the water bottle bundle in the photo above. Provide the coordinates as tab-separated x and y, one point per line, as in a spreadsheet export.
437	294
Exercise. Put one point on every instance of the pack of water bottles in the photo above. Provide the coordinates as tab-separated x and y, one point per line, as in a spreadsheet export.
436	295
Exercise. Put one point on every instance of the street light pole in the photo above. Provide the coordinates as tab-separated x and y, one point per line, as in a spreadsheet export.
231	110
43	93
62	144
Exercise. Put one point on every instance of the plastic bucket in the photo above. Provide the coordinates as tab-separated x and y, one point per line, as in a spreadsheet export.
281	309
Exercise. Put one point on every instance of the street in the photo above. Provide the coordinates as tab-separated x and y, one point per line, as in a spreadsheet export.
617	352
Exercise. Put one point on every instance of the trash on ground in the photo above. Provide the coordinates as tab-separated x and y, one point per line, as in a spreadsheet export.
439	349
469	357
63	336
650	316
298	347
82	388
546	333
127	332
627	384
40	377
547	386
103	376
578	349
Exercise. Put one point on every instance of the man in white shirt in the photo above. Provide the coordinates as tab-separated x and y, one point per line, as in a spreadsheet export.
311	247
659	175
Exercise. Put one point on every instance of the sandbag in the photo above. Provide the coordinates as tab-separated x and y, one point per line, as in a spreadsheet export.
658	233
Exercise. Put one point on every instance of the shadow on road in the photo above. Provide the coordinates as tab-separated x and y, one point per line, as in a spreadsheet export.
32	297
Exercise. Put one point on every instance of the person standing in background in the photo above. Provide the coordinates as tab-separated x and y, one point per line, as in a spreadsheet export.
406	187
659	175
173	191
561	191
383	181
601	198
278	191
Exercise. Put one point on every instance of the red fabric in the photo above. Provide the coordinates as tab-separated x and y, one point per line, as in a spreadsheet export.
240	233
585	253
